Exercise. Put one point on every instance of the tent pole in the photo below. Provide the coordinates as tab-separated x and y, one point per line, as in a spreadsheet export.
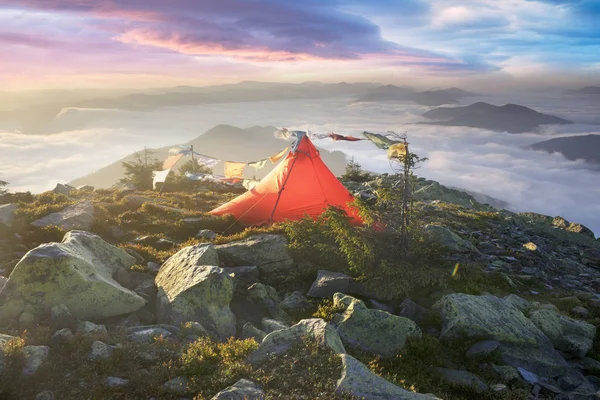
295	148
283	187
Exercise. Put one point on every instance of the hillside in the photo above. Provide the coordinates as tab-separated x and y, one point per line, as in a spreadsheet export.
224	142
40	117
585	147
148	296
511	118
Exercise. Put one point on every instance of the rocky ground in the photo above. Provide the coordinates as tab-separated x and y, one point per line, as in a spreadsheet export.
136	295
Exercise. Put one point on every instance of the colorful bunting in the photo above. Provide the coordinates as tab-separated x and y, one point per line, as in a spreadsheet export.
383	142
159	176
258	164
286	134
171	161
279	155
397	150
337	137
234	169
206	160
317	136
198	177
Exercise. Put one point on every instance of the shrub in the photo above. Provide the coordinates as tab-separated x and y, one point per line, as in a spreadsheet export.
36	235
332	241
211	365
43	204
327	310
306	371
355	173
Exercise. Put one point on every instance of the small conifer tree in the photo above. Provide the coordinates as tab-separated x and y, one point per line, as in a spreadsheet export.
139	171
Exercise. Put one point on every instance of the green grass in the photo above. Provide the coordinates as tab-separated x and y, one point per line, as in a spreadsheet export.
414	370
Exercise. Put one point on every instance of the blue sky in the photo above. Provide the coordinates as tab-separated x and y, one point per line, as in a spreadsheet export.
130	43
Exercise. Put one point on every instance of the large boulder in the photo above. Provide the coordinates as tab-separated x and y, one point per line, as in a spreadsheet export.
7	214
61	188
268	252
522	344
358	381
295	302
462	378
450	239
192	288
241	390
149	333
278	342
567	334
34	358
485	317
79	216
77	273
374	331
328	283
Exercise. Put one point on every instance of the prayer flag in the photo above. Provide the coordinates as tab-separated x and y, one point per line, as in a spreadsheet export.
286	134
159	176
336	137
397	150
380	141
234	169
279	155
258	164
171	161
206	160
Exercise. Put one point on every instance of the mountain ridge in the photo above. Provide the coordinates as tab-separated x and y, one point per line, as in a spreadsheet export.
511	118
585	147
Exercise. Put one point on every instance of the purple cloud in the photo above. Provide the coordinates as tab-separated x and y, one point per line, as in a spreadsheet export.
261	30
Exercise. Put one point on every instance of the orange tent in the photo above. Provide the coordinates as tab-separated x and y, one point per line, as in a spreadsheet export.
300	185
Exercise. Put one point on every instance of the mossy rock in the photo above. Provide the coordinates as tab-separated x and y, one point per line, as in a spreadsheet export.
77	273
192	288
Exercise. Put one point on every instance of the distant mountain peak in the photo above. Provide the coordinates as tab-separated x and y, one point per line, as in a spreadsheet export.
584	147
511	118
588	90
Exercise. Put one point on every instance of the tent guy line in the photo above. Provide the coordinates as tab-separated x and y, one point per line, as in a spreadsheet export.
233	170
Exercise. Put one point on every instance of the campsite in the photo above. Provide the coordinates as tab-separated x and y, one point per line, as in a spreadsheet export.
302	285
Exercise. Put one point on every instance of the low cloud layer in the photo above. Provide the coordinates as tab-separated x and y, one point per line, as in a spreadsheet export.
489	162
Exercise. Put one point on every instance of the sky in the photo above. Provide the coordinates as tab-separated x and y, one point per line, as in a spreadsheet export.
149	43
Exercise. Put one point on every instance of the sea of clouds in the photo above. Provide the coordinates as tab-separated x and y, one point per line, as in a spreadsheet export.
492	163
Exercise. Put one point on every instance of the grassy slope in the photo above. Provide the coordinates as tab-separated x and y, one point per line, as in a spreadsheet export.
328	243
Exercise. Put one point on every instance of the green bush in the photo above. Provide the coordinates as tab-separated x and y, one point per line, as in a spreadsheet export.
43	204
306	371
327	310
212	366
355	173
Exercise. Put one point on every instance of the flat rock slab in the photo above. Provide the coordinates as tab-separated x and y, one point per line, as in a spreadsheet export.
567	334
328	283
241	390
268	252
7	213
375	331
280	341
357	380
79	216
486	317
463	378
